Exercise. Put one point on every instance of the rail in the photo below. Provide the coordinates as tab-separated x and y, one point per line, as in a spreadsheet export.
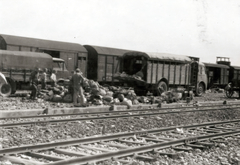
108	115
226	128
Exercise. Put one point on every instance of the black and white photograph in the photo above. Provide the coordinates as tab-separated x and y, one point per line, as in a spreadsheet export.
120	82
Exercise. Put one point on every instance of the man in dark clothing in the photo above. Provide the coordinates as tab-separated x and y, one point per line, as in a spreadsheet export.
70	86
43	78
77	81
34	82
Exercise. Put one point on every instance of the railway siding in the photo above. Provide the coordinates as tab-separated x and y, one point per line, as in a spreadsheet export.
51	111
117	147
42	129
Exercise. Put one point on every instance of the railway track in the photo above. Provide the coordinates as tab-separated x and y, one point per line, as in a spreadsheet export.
51	119
139	145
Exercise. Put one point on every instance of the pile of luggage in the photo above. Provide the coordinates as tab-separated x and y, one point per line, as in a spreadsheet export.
55	94
96	94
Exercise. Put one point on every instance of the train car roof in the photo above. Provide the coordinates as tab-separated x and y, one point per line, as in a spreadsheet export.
160	56
26	54
216	65
107	50
42	44
236	67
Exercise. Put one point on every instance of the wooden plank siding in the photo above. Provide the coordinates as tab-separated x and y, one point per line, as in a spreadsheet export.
110	68
163	68
222	76
160	70
186	70
178	74
226	76
107	67
149	72
175	73
168	72
171	73
101	67
157	75
183	72
189	75
154	72
165	73
174	78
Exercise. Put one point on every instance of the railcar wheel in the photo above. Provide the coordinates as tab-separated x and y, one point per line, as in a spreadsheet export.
13	85
5	90
162	87
200	89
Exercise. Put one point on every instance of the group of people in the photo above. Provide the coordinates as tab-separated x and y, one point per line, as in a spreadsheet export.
39	75
76	82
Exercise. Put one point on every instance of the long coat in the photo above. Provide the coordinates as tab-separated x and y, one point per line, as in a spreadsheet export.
77	80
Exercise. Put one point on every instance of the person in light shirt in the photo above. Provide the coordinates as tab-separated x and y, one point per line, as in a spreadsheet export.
53	78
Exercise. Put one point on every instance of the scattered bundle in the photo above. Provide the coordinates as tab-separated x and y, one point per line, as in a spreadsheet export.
96	94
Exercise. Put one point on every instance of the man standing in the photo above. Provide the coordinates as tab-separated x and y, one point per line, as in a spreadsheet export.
53	78
77	81
43	78
33	82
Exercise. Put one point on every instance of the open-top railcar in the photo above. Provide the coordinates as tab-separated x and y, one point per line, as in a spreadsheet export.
157	72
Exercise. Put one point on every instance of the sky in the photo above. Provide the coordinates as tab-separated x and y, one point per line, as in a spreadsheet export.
200	28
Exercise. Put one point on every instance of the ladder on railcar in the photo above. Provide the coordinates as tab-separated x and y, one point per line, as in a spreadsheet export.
194	73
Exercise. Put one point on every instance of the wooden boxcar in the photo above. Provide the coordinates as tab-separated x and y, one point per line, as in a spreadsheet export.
234	81
74	55
103	63
218	75
233	76
234	71
157	72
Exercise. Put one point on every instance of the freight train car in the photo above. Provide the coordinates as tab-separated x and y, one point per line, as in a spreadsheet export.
74	55
157	72
234	76
218	75
234	85
103	63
